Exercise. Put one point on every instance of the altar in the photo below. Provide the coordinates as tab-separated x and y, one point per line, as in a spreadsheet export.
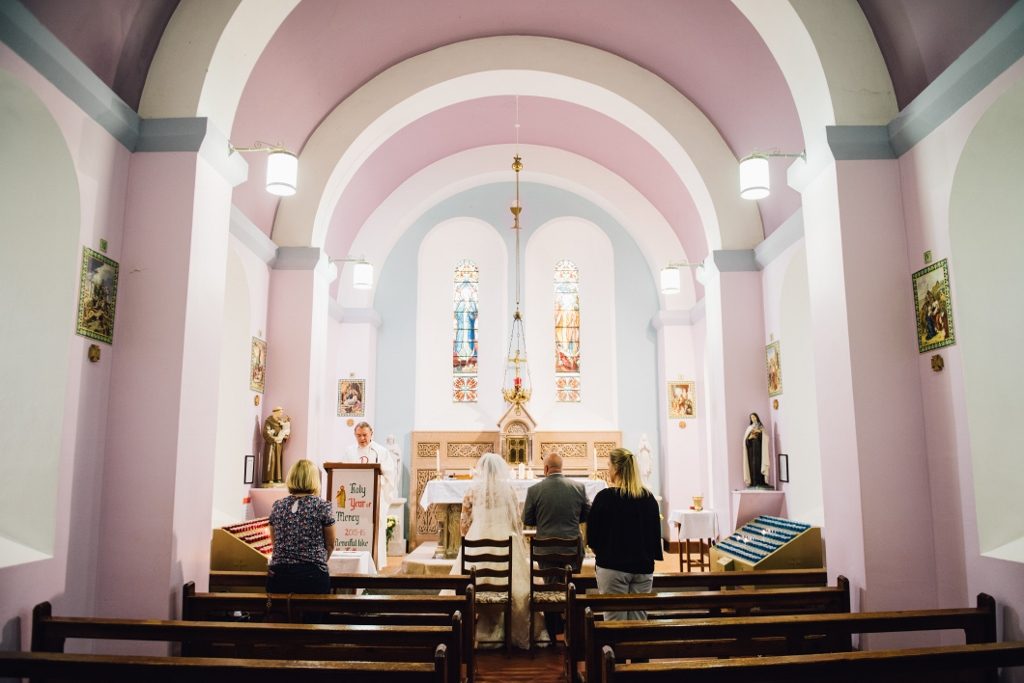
447	495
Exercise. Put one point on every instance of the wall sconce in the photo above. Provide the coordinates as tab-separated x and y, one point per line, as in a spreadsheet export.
282	167
670	275
362	272
755	182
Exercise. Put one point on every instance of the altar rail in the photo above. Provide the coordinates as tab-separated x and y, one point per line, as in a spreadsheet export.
224	581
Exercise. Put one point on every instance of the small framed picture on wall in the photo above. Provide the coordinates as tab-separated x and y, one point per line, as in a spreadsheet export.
784	468
682	400
249	469
258	365
351	397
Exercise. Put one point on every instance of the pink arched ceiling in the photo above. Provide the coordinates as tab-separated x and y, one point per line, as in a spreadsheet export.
488	121
706	49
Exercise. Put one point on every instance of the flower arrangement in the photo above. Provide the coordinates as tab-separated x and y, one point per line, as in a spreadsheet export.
389	530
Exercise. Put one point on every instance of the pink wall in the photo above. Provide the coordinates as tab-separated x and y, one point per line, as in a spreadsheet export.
926	173
735	377
163	409
67	579
296	340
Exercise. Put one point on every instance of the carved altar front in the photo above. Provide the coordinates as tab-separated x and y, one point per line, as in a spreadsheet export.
456	453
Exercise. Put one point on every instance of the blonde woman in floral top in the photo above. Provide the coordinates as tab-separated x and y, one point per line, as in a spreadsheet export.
302	531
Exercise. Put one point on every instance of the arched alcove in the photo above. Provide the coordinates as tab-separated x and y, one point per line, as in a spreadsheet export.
234	424
590	249
986	224
39	274
479	243
799	404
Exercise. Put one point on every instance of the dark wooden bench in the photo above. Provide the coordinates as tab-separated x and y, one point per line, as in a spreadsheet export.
397	610
697	605
775	635
253	582
260	640
713	581
79	667
945	664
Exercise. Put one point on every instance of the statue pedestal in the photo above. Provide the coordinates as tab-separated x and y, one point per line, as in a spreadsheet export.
397	544
750	503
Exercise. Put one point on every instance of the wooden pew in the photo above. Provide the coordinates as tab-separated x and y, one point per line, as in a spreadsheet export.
945	664
696	605
775	635
713	581
260	641
337	609
79	667
221	581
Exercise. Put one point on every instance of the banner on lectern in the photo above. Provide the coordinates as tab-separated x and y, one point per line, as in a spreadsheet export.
353	491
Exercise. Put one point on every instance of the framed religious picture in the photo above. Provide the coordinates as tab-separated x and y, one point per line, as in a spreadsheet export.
97	296
351	397
682	400
258	365
774	363
249	469
933	308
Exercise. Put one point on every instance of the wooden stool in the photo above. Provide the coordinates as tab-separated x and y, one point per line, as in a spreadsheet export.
703	561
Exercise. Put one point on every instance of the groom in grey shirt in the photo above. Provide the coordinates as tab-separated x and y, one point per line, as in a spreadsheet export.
557	506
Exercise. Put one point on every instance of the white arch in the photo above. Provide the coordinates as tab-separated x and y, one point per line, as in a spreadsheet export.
483	165
205	57
831	62
541	67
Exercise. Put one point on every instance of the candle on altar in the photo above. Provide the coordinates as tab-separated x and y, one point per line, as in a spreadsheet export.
595	460
437	460
520	470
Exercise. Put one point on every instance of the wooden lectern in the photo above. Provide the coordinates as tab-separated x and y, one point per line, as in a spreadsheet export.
354	493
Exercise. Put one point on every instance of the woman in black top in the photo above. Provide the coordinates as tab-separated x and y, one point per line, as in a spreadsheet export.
624	530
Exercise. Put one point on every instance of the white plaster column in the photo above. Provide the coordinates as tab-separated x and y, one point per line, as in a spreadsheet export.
296	347
737	383
162	416
873	459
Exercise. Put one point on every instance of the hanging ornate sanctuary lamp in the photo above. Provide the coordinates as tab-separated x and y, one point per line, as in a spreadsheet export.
516	387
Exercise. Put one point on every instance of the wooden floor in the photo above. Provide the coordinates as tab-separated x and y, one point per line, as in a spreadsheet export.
537	666
542	665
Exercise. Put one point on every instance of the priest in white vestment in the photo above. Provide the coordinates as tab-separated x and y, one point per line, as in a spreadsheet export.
366	450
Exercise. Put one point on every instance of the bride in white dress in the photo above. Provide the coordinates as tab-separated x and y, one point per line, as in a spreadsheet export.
490	509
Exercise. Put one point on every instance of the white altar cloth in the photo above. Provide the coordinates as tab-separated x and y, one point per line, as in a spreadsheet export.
695	524
452	491
351	562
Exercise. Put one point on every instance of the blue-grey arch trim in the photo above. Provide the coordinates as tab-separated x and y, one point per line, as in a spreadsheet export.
636	304
734	260
852	143
994	52
34	43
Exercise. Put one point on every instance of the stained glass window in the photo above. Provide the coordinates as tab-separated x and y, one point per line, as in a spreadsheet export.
567	332
464	325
